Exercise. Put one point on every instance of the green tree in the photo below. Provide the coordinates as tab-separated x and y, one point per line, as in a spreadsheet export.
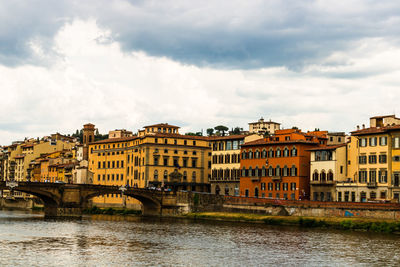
237	130
221	129
210	131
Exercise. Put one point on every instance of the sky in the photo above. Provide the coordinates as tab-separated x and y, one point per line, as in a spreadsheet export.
196	64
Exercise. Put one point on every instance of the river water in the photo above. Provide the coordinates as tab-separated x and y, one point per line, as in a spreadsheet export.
28	239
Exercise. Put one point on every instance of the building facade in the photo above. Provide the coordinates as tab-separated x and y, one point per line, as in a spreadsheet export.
262	127
278	166
225	173
328	165
157	157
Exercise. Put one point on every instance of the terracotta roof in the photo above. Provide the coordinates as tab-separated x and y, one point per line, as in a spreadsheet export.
228	137
330	147
375	130
271	122
115	140
20	156
162	125
27	145
384	116
264	142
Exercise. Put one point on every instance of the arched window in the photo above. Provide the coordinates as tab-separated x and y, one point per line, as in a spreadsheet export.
285	171
330	175
278	152
194	177
270	171
244	155
250	154
294	152
257	154
250	171
233	173
286	152
271	153
278	171
263	171
244	172
165	175
293	171
155	175
184	175
323	176
256	173
315	175
264	154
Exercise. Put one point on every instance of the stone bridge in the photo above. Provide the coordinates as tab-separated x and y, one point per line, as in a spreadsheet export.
69	200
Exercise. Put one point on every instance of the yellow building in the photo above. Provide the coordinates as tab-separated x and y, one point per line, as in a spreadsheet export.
373	162
157	157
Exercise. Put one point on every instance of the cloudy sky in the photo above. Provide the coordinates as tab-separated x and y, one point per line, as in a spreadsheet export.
196	64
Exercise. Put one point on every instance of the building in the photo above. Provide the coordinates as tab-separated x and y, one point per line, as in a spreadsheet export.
262	127
278	166
119	133
225	174
327	167
157	157
373	164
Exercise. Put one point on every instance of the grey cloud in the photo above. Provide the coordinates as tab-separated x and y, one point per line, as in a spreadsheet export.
227	34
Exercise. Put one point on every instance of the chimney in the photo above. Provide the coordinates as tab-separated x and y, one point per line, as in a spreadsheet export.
363	126
358	127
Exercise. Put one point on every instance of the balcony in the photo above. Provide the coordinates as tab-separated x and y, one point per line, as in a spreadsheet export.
255	179
276	178
372	185
323	182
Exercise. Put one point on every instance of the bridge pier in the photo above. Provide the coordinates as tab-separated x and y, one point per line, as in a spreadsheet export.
62	212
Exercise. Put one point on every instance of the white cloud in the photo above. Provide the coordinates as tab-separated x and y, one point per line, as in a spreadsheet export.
93	80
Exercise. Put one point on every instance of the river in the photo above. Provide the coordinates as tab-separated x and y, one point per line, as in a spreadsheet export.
27	239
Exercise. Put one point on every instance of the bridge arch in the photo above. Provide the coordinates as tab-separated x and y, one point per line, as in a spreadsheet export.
151	205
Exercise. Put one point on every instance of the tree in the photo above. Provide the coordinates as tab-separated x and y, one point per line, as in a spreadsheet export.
236	130
221	129
210	131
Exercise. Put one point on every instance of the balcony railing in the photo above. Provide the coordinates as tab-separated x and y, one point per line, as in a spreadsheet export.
372	185
276	178
323	182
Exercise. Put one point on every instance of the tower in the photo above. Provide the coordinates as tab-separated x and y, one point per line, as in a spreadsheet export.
88	137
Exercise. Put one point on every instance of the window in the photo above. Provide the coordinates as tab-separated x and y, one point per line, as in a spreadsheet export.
277	171
372	176
165	161
372	141
165	175
278	152
339	194
362	159
293	171
362	176
98	177
262	186
294	152
363	142
277	186
193	177
382	158
194	162
184	175
285	186
372	159
286	152
383	141
396	142
99	165
382	176
270	186
271	153
315	176
396	158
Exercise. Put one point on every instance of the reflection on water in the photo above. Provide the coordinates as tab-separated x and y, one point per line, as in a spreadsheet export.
28	240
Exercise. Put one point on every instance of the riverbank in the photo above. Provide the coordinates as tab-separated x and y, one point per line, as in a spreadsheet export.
356	224
111	211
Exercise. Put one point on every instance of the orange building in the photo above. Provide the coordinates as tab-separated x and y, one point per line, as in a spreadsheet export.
278	166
